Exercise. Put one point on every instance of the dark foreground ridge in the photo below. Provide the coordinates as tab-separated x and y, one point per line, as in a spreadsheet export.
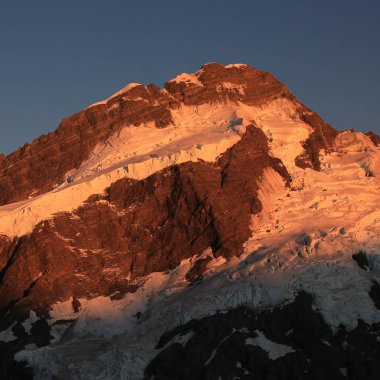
289	343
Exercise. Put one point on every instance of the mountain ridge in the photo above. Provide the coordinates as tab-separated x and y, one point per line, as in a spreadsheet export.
35	168
217	193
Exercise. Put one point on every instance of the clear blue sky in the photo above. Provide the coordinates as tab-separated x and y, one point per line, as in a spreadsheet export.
57	57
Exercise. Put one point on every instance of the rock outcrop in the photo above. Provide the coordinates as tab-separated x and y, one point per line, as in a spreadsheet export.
374	138
322	138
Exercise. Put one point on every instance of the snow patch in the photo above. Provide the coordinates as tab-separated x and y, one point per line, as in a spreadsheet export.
122	91
231	87
343	371
189	79
274	350
8	335
28	323
238	65
181	339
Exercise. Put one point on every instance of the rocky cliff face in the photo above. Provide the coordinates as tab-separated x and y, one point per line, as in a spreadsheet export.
322	138
374	138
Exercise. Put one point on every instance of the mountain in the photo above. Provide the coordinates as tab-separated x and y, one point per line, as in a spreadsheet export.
214	228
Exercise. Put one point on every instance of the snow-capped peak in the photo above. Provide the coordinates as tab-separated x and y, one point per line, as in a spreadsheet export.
124	90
